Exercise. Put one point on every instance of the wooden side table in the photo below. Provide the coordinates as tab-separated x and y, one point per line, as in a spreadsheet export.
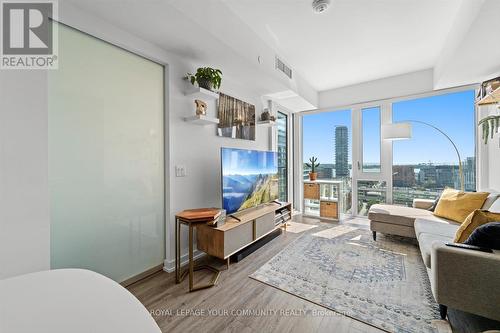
192	221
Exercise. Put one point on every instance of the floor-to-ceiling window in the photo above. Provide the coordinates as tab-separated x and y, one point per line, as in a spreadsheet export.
385	170
282	129
427	162
370	128
371	183
327	137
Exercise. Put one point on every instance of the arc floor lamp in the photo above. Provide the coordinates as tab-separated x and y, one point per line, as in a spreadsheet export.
402	131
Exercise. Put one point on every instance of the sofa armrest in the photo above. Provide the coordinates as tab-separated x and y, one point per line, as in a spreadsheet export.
423	203
466	280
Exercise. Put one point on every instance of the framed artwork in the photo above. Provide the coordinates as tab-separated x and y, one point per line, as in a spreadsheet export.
236	118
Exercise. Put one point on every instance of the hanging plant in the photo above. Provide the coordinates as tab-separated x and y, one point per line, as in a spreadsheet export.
490	126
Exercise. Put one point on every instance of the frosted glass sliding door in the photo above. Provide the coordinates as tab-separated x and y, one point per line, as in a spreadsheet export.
106	173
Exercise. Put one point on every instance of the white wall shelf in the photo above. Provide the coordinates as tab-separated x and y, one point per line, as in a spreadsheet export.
329	199
201	120
201	93
491	98
266	123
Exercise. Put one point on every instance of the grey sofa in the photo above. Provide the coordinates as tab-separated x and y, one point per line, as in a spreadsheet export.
460	279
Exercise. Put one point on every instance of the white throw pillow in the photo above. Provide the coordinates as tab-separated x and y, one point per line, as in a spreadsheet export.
495	207
490	200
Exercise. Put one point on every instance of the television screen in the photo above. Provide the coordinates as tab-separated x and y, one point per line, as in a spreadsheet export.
249	178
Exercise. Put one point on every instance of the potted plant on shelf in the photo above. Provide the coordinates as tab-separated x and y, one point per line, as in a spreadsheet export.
313	165
206	77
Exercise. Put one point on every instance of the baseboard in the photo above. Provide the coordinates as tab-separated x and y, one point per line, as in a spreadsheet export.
141	276
169	265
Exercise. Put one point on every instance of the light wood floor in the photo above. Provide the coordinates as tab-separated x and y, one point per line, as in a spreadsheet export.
176	310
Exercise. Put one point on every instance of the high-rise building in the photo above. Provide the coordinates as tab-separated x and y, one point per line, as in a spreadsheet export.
403	176
446	175
325	171
341	151
469	167
427	175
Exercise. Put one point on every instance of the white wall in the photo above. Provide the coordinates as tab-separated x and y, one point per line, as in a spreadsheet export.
488	154
494	163
24	210
395	86
195	147
198	149
25	222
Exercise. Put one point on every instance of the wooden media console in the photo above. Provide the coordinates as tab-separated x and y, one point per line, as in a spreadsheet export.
234	235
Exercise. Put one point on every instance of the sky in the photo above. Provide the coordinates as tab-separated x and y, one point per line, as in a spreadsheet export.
248	162
318	134
453	113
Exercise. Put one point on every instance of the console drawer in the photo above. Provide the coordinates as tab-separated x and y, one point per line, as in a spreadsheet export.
264	224
238	237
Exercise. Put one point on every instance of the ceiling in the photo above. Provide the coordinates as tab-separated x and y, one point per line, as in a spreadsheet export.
171	25
354	40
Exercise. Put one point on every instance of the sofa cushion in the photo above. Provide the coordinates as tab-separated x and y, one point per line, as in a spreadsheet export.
473	221
427	204
441	228
392	229
457	205
425	242
400	215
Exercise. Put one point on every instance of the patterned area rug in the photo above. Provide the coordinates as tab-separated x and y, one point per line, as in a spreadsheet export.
382	283
297	228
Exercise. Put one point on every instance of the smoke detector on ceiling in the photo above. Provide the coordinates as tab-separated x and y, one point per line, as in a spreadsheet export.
320	6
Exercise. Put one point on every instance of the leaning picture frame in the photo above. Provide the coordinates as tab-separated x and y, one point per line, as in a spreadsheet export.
236	118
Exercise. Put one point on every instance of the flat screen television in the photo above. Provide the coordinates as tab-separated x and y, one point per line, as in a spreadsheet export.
249	178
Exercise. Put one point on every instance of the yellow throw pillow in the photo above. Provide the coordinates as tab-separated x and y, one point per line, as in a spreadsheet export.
457	205
476	219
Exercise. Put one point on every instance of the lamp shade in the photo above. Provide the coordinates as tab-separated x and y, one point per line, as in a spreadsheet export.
396	131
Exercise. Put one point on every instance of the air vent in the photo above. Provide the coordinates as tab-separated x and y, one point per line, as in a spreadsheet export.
280	65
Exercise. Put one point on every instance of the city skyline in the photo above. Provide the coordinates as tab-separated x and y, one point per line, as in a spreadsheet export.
426	144
409	181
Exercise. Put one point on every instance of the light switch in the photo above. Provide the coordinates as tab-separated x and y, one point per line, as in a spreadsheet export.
180	171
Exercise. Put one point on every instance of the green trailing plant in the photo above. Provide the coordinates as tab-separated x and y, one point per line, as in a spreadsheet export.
206	77
490	126
313	165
